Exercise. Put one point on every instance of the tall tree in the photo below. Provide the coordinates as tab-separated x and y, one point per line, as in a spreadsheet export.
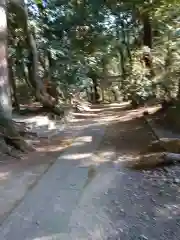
8	130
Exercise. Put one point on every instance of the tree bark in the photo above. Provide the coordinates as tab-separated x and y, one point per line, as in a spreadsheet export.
21	67
12	80
120	50
7	128
39	88
5	96
178	94
102	94
147	30
116	94
126	40
96	94
41	93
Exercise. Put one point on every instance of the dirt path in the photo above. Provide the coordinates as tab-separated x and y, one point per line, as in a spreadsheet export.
91	195
19	175
123	204
127	133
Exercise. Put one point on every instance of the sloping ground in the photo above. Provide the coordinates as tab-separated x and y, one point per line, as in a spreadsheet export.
121	203
169	118
46	209
127	133
17	175
115	202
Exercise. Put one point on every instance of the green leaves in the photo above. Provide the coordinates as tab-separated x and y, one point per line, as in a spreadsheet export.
41	3
102	36
38	1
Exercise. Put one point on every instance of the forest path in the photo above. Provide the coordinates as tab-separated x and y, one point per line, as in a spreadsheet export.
88	194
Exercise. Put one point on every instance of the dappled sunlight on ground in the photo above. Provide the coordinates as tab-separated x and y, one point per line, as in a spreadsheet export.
4	176
123	128
80	141
113	114
53	148
57	236
77	156
84	115
167	211
53	144
84	139
114	202
105	155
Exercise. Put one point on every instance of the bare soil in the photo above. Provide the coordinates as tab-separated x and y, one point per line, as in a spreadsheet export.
127	132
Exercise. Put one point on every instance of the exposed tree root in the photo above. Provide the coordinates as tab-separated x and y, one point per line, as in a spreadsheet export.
23	129
10	136
153	160
150	161
35	111
158	154
165	145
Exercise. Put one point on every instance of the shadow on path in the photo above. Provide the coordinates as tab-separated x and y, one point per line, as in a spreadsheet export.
116	204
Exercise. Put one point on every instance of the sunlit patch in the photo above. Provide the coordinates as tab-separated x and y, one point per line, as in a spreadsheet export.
57	236
4	100
168	211
100	157
40	121
76	156
85	114
120	104
107	154
50	149
80	141
4	175
109	118
126	158
137	113
3	22
54	147
52	125
110	106
78	144
84	139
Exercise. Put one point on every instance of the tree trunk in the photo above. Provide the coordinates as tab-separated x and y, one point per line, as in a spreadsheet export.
116	94
147	42
122	62
7	128
147	30
96	94
25	74
125	40
50	64
5	96
39	88
36	82
178	94
12	80
20	64
102	93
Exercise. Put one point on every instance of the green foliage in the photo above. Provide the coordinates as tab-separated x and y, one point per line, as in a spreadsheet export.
75	40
